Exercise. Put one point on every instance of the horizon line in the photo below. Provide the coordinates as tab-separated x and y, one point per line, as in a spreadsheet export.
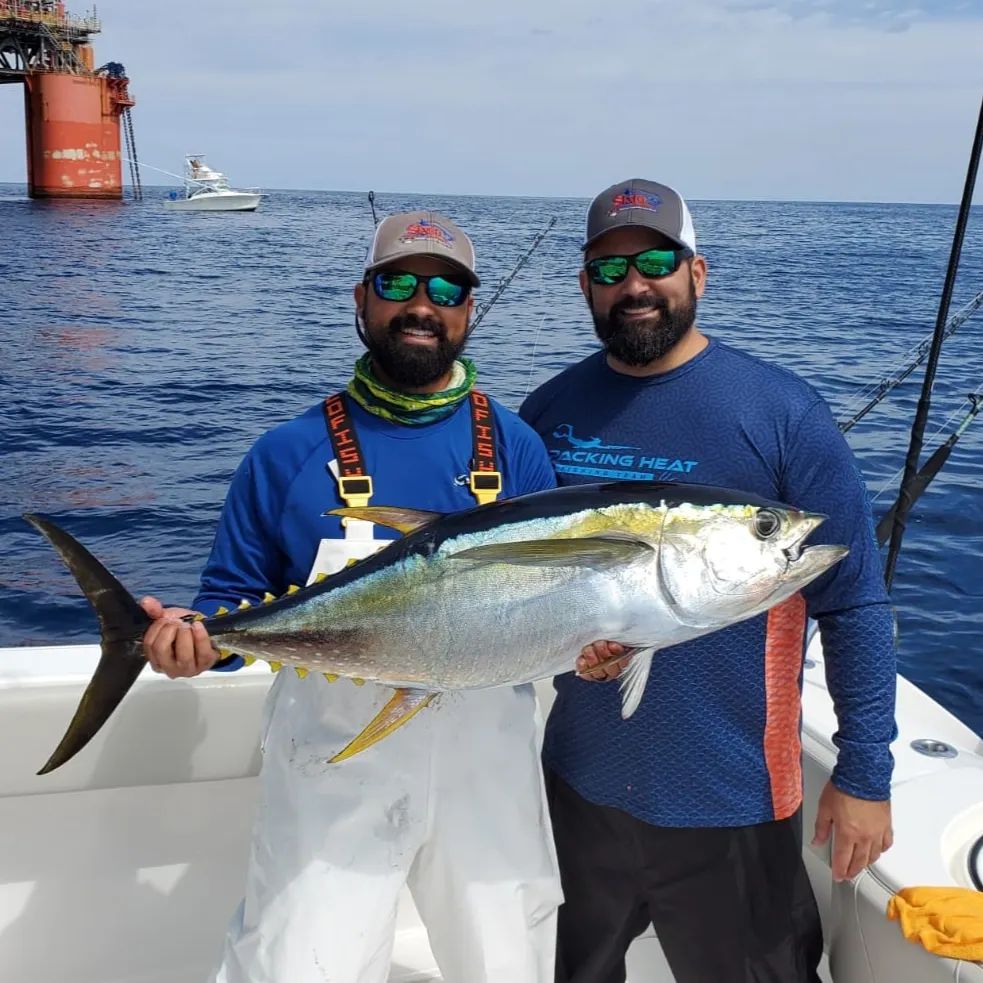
585	198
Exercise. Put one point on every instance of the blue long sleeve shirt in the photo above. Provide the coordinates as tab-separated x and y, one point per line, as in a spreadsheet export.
716	739
272	521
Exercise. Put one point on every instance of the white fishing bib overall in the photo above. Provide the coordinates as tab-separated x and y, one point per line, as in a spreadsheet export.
452	803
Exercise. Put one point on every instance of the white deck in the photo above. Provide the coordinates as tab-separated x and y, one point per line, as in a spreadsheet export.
124	865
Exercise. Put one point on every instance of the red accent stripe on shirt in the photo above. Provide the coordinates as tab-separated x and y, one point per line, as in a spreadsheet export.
783	703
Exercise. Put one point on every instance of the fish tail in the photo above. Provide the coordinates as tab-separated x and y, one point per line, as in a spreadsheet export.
122	623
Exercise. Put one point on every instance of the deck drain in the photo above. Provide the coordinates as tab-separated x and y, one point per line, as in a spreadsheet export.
934	749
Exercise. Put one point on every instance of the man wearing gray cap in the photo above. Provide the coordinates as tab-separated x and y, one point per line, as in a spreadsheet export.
688	815
452	803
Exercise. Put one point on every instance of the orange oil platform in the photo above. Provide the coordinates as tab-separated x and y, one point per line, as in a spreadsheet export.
74	112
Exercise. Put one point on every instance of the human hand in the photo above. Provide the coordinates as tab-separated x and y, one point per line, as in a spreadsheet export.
175	647
861	830
599	661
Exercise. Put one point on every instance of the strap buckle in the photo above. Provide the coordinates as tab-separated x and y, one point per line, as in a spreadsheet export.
486	486
355	490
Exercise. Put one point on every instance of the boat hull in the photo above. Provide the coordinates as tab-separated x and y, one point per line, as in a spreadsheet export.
180	760
239	202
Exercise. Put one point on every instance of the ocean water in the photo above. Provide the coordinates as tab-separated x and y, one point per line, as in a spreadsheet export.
141	352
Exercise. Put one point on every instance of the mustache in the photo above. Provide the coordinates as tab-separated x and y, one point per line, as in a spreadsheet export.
643	302
403	321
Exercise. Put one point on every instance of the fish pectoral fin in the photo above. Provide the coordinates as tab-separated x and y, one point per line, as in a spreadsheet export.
403	520
404	704
633	681
596	552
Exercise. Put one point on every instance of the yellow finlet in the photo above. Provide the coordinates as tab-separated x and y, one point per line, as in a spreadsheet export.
358	681
225	653
320	577
267	597
301	671
249	659
276	666
198	616
404	704
221	611
292	589
330	677
243	604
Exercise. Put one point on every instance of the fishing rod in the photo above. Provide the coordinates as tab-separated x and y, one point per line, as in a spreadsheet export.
890	382
500	289
931	467
375	219
905	500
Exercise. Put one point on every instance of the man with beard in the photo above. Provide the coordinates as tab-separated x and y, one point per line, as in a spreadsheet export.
688	815
453	802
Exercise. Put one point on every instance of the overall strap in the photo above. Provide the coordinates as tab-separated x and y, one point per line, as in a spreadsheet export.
354	481
486	478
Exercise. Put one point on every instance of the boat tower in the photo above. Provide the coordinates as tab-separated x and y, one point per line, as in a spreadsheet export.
75	113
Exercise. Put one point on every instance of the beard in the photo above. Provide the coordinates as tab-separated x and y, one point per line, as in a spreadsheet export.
408	364
639	341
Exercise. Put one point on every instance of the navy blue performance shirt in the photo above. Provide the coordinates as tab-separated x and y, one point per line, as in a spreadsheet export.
716	739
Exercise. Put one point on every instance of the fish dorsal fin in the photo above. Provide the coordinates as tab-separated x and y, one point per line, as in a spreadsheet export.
404	704
596	552
633	681
403	520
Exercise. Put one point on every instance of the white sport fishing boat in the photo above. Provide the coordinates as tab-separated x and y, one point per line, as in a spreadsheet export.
136	849
207	190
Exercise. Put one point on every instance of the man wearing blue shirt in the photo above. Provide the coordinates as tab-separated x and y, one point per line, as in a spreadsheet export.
453	802
688	815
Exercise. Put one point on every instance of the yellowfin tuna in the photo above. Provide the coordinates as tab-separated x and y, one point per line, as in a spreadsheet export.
502	594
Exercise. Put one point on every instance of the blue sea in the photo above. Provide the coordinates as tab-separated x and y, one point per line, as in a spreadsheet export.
141	352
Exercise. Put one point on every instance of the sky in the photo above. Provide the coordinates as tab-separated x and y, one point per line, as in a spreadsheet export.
831	100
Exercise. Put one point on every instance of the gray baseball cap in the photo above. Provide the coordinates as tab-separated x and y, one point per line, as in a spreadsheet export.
645	203
421	234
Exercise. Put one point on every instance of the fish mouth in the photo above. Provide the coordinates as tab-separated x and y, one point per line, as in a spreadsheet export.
813	560
810	561
805	524
792	553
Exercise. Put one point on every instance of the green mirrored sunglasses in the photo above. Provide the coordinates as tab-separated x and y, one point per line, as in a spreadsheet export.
651	263
398	287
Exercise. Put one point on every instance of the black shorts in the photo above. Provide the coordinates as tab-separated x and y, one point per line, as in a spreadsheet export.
729	904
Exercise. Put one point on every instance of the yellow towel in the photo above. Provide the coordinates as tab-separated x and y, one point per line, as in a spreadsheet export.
946	920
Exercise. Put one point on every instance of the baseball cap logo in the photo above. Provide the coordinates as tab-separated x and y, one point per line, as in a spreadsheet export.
429	232
634	199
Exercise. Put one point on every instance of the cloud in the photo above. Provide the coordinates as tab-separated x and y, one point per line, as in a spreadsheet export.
889	15
729	98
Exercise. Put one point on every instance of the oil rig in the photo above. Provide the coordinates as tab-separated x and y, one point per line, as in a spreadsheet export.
75	114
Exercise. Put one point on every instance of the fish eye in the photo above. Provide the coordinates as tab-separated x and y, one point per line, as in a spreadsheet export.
766	523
